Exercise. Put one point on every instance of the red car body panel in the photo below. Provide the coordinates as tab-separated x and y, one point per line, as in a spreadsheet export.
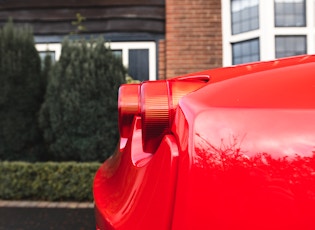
239	154
135	190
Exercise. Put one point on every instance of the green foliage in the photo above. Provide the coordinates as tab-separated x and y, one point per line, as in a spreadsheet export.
20	94
130	80
47	181
79	115
78	24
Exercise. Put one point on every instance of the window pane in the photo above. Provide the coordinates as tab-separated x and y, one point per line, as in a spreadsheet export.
290	13
117	53
244	15
138	67
290	46
43	54
246	51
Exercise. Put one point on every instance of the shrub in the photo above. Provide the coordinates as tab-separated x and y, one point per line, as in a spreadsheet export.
20	94
47	181
79	115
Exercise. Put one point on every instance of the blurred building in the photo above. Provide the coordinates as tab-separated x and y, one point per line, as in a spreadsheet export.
133	27
159	39
256	30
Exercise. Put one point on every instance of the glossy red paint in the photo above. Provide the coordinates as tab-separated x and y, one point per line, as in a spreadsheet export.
134	189
237	153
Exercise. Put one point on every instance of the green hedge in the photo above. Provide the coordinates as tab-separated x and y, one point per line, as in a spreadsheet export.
52	181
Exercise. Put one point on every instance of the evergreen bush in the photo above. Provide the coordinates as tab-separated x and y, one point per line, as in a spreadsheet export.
20	94
79	115
50	181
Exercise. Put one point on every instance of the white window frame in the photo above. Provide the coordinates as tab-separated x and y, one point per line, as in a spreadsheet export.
123	46
126	46
52	47
267	30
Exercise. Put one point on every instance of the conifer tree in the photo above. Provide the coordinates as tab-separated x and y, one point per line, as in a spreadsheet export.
20	94
79	115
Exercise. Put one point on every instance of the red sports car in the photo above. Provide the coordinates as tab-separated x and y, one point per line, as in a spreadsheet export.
229	148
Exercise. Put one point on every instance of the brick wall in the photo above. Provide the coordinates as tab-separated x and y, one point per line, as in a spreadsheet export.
162	62
193	39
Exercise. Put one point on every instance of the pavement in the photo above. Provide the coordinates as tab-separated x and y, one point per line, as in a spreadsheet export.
38	215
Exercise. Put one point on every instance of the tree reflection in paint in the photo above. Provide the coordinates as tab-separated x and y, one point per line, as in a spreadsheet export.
279	190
